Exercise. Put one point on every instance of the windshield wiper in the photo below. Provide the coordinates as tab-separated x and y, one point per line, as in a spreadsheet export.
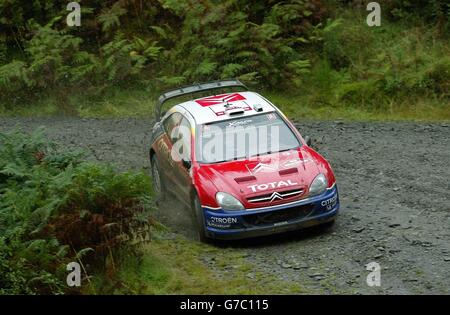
258	154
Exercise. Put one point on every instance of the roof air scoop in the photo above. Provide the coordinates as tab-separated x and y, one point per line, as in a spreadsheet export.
258	108
235	111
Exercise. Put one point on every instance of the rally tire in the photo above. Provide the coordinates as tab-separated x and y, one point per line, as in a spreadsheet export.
158	182
199	220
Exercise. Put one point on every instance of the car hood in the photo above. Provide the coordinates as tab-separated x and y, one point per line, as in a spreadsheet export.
248	179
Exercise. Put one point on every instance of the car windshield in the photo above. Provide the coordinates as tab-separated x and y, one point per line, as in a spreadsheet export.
244	137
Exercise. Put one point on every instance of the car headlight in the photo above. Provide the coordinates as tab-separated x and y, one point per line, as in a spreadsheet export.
318	186
228	202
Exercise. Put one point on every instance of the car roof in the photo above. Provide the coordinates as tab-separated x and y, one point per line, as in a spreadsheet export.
222	106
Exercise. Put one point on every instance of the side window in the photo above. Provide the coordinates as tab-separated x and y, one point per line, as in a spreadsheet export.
184	138
170	123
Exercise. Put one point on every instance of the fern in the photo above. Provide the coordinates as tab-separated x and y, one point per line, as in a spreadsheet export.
160	43
110	18
56	208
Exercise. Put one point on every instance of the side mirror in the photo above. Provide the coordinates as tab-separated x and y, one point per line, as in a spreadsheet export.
308	141
186	164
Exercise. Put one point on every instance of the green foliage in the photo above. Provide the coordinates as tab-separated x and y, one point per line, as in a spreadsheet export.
322	49
125	58
55	208
56	59
260	43
110	18
377	67
164	41
13	77
429	9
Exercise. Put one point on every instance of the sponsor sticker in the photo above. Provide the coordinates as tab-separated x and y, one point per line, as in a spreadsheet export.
219	99
271	116
220	222
330	203
237	123
272	185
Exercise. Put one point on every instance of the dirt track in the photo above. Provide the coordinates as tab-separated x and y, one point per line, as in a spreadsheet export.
394	182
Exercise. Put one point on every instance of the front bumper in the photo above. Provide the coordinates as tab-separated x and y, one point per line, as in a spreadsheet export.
221	224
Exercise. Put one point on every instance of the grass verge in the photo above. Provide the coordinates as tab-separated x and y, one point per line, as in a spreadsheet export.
180	266
297	107
140	103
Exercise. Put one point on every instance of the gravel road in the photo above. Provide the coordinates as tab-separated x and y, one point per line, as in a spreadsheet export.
394	181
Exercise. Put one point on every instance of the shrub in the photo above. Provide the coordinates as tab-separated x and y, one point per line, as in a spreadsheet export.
439	76
56	208
377	67
159	44
184	41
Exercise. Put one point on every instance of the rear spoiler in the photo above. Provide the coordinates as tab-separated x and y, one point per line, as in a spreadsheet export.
194	89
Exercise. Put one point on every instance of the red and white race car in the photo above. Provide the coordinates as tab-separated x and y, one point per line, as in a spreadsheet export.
239	165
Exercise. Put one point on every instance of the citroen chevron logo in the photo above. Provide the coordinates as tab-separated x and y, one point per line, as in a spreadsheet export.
275	196
262	168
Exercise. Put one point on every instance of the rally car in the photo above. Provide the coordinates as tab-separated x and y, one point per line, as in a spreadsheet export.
238	164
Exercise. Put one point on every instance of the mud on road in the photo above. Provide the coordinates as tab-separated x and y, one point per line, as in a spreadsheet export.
394	183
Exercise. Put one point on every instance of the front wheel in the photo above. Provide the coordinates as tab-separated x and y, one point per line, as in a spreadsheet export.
199	220
157	181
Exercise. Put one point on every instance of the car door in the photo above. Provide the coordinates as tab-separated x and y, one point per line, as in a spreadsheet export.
170	125
182	159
